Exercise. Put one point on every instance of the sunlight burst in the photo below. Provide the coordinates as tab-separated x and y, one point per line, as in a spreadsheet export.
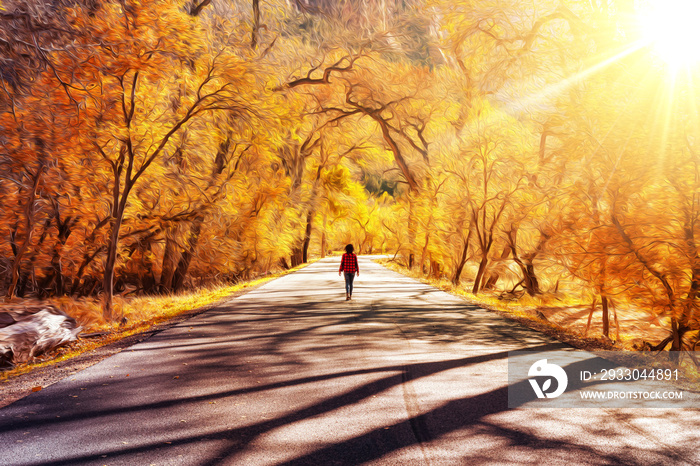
670	27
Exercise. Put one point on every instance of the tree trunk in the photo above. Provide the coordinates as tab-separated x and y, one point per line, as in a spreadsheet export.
13	239
590	315
435	268
362	248
694	290
617	323
532	284
689	234
530	281
295	258
169	262
606	317
324	245
676	334
256	24
493	279
108	280
676	341
113	245
424	252
29	231
56	274
173	277
411	232
462	261
57	270
307	236
87	259
22	285
195	9
480	274
184	264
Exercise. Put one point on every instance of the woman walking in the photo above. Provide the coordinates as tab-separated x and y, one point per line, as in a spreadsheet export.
348	264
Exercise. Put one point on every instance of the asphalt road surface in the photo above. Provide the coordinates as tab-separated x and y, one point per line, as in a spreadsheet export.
291	373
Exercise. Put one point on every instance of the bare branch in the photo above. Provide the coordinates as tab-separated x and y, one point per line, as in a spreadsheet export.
195	9
308	80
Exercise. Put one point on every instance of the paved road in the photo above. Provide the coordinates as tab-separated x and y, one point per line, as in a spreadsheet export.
291	373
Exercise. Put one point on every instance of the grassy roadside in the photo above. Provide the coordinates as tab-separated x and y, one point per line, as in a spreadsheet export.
143	313
524	310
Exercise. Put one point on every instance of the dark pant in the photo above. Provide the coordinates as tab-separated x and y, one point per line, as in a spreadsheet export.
349	277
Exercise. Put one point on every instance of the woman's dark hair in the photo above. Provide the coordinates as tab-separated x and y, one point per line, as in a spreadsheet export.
349	249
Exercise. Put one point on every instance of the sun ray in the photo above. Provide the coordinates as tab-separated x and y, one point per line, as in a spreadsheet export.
555	89
668	109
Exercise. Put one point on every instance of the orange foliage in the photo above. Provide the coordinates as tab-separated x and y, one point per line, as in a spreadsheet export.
147	147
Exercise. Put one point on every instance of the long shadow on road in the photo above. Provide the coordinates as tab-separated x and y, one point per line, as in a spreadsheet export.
456	415
311	354
489	403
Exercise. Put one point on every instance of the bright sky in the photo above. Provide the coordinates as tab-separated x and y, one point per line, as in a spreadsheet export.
672	28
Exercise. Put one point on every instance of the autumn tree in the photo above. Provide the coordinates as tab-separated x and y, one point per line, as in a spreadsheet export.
124	112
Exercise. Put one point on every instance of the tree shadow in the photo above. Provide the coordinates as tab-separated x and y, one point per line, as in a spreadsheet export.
472	415
254	349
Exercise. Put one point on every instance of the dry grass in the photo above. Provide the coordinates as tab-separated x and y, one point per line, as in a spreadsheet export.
526	307
522	306
565	319
142	314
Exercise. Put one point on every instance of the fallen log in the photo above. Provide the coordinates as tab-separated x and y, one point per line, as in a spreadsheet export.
29	331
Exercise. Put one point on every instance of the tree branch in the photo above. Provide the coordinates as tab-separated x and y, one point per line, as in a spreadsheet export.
195	9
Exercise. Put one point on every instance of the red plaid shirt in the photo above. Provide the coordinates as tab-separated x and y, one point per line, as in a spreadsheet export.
348	263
